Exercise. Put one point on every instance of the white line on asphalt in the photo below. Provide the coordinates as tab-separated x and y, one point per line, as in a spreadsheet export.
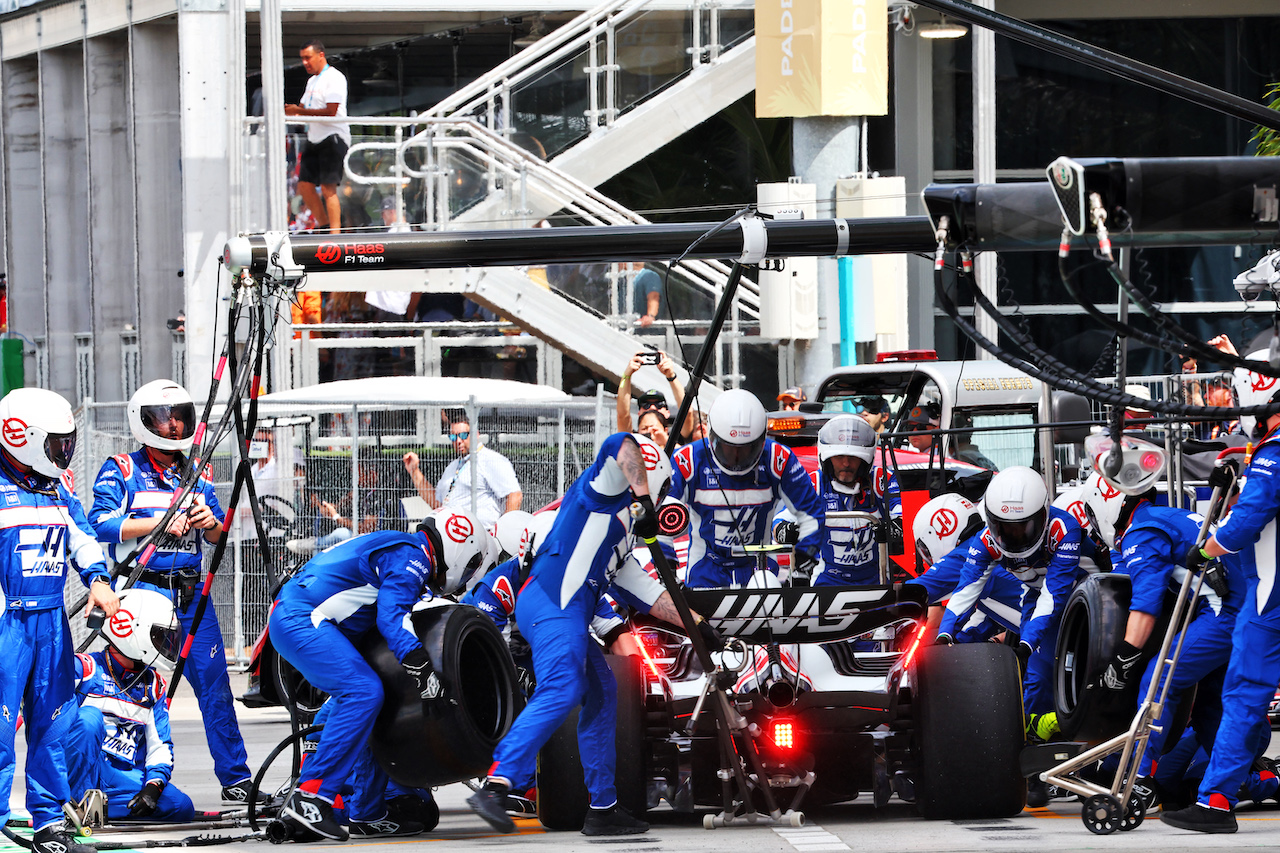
810	838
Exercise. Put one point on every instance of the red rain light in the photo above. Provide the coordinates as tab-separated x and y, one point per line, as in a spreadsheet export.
784	735
1151	461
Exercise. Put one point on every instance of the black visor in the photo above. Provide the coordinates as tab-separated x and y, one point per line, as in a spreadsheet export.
1020	535
60	448
166	642
922	551
737	458
155	417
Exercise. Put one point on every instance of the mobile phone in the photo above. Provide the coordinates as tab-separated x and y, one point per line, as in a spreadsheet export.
649	357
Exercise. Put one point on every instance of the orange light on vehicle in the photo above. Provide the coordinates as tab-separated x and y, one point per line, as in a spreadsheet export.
783	735
907	355
786	423
915	644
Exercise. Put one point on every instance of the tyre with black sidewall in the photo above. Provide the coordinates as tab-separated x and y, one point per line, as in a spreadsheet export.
562	794
966	707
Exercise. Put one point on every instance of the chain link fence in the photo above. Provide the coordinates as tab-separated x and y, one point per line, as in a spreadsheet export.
325	472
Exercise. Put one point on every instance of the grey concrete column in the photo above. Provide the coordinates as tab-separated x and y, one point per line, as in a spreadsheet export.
24	199
208	143
157	146
984	159
113	272
64	148
823	148
913	135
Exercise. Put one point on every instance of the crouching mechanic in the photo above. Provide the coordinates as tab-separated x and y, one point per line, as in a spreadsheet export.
1249	531
733	482
1152	542
366	583
587	552
43	530
121	743
131	494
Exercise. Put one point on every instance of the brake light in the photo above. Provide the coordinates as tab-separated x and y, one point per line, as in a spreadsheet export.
907	355
915	644
784	735
786	423
644	653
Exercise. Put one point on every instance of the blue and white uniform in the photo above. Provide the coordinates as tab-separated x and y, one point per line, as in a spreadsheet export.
121	739
587	552
43	531
727	512
1254	669
365	583
1000	606
494	595
131	486
1152	549
849	555
1048	576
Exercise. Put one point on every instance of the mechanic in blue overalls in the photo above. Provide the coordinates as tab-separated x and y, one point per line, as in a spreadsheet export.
131	493
370	582
121	743
1254	669
849	556
587	553
43	530
734	480
1153	542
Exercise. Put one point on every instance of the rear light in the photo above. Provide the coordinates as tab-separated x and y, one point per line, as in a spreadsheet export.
907	355
786	423
784	735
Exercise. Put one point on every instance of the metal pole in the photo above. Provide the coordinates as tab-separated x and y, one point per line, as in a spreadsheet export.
355	469
273	123
561	436
473	419
984	160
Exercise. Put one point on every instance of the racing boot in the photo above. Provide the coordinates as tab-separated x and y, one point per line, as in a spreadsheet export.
385	828
238	794
54	838
407	807
1201	818
614	820
314	814
1037	793
489	803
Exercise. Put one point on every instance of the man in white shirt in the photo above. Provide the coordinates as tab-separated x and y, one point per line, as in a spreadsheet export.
327	142
497	489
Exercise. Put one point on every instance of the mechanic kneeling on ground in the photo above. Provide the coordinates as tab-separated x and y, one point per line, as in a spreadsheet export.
369	582
587	552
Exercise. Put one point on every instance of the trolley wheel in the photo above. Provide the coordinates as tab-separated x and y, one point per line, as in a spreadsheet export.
708	821
795	819
1101	814
1134	814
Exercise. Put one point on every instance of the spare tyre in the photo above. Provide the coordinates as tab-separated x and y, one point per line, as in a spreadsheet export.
421	747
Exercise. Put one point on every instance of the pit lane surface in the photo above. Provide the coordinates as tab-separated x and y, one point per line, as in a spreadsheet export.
851	826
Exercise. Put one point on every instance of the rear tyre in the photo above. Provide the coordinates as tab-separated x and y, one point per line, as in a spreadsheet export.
967	710
562	794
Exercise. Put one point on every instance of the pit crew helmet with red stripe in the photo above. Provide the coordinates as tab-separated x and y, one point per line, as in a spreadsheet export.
1017	508
511	534
847	435
1109	507
737	422
38	430
151	409
942	524
461	547
145	629
1254	389
657	467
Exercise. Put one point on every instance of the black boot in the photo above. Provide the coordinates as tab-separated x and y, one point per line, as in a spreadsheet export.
614	820
1200	818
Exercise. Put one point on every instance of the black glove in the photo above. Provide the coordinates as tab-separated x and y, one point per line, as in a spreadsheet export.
944	640
524	677
145	801
1117	674
1023	651
1196	558
710	636
645	524
1215	575
418	664
786	533
805	563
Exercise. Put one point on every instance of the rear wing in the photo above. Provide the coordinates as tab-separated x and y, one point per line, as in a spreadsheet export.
819	614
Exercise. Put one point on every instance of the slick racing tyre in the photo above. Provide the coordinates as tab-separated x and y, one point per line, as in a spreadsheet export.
423	745
966	704
562	794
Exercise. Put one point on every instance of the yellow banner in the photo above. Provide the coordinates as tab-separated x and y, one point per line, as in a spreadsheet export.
822	57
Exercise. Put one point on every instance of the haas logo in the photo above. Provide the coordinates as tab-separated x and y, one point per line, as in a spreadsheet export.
458	528
15	432
1257	382
328	253
121	623
650	454
944	522
1108	490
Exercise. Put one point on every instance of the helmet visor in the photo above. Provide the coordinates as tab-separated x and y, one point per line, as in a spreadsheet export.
1017	537
922	553
60	448
737	458
172	422
165	640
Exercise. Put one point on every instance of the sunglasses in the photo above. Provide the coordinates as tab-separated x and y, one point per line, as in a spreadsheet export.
460	436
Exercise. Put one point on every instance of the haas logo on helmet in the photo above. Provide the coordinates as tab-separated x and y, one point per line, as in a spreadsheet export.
1107	489
121	624
944	522
15	432
458	528
650	454
1257	382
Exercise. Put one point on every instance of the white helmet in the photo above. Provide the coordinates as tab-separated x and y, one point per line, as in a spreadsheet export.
541	527
38	429
1107	508
461	546
151	408
847	435
942	524
1253	389
145	628
656	465
511	533
737	424
1017	505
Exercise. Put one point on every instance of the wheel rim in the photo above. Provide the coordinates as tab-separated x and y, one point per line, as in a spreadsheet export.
1101	814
